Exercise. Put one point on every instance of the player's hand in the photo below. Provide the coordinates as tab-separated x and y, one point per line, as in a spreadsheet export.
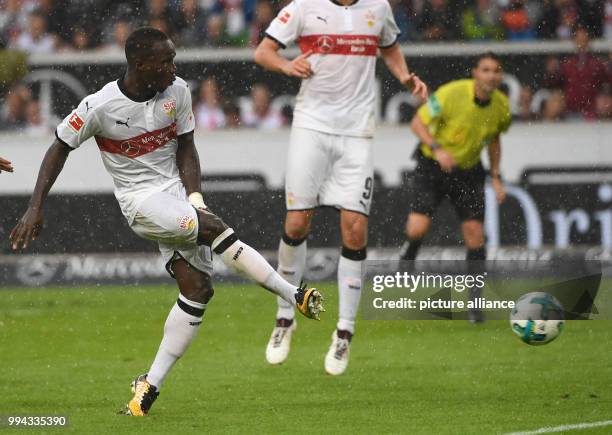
197	200
445	160
299	67
500	191
5	165
27	229
418	87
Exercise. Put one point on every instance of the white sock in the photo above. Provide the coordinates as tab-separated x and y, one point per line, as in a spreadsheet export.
291	265
240	256
349	292
179	331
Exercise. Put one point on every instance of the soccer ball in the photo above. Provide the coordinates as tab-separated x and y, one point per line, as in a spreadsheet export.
537	318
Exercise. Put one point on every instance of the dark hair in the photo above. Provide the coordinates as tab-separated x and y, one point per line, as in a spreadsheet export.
487	55
141	41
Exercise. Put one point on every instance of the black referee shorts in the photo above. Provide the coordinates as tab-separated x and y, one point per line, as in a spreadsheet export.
464	189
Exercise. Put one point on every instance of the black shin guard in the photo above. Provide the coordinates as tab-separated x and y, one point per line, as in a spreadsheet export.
292	242
479	254
410	249
355	254
476	265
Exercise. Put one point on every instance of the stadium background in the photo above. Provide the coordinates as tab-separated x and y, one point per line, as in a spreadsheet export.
556	156
557	161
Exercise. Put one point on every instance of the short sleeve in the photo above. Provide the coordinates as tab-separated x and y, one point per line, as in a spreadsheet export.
434	108
286	27
81	124
390	32
185	121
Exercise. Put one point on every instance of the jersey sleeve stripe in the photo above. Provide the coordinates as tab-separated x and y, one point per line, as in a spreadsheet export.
275	40
187	132
62	141
392	44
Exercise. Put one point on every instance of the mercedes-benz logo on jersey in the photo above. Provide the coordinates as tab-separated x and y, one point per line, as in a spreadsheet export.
325	43
130	148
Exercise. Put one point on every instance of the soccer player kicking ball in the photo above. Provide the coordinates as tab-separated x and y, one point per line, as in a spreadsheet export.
143	125
458	121
330	150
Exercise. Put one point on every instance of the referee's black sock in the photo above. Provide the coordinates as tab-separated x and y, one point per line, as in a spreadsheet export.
410	249
476	266
477	254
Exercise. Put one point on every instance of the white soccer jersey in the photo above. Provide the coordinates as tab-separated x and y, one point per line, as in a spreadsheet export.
339	97
137	140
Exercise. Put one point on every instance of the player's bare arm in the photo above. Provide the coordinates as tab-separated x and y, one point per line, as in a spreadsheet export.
266	55
188	164
444	158
5	165
31	222
496	180
396	63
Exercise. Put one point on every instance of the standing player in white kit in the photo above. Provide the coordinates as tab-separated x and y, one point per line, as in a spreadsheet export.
143	126
330	151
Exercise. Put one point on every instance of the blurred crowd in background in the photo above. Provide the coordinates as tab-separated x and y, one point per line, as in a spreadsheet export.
47	25
577	86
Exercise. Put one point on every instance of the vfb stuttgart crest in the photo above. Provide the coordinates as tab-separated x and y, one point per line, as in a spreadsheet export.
170	108
370	17
325	44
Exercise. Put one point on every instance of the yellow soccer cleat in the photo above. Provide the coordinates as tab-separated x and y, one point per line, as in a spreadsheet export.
144	396
309	302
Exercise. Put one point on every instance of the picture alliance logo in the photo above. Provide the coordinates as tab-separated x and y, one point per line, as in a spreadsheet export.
423	280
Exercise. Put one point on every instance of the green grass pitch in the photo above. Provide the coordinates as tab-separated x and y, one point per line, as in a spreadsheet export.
74	351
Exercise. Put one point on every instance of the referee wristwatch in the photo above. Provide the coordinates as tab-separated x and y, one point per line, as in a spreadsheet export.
434	146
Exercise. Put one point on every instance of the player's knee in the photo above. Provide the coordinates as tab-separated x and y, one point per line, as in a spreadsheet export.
296	233
416	235
474	243
206	292
355	237
473	234
354	234
210	227
417	226
297	226
201	291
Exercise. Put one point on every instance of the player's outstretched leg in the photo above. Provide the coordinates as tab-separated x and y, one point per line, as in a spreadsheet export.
291	265
181	327
354	234
241	257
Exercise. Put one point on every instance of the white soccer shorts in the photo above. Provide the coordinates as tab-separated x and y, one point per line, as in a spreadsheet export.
329	170
171	220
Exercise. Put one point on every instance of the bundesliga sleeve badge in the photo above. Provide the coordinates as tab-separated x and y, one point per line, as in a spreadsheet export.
75	122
